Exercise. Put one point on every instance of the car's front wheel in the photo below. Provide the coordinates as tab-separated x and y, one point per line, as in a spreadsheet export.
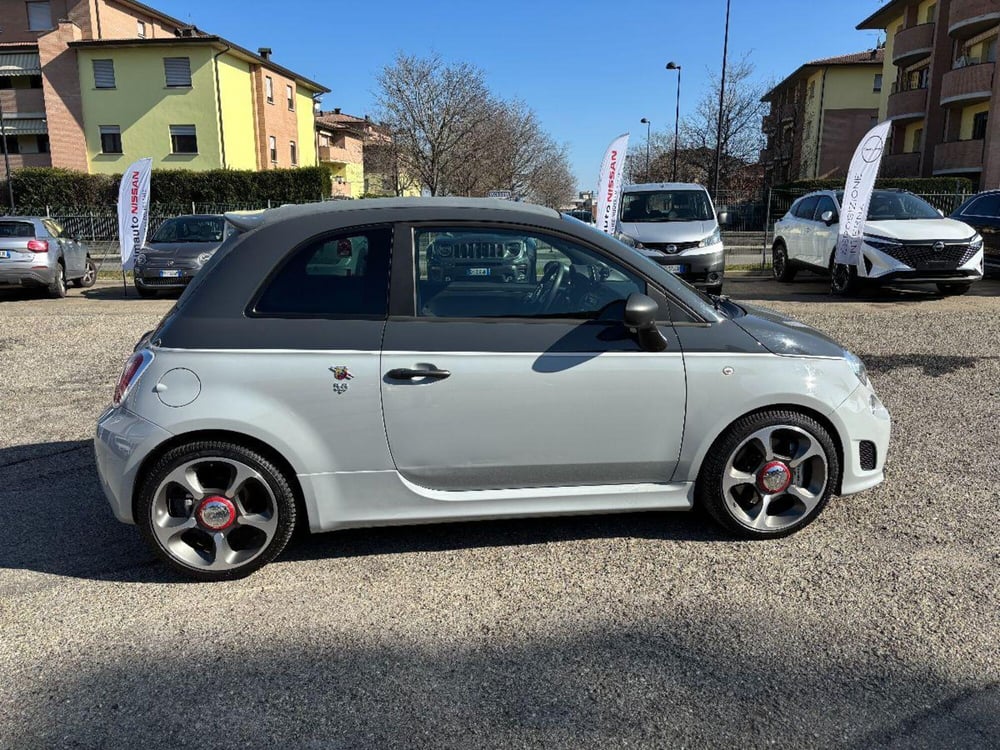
952	290
844	281
779	264
769	475
215	510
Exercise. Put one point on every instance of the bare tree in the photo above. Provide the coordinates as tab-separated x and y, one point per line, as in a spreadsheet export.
742	140
436	114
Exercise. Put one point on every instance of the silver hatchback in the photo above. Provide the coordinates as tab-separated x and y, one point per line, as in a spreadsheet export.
320	372
37	253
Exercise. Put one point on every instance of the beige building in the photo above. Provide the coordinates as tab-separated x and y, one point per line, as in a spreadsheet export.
941	84
819	114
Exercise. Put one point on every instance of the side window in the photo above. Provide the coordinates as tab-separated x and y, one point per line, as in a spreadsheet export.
344	274
806	208
824	204
500	273
52	228
987	206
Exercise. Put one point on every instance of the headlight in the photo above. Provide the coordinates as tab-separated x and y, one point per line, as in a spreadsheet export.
204	258
857	365
713	239
140	259
626	240
881	243
977	244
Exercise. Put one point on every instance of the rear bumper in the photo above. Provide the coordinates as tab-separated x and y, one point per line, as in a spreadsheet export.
27	276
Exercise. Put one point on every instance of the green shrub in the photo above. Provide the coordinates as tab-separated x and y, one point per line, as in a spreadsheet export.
919	185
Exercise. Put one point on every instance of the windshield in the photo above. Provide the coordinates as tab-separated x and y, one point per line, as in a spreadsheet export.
666	205
191	229
887	205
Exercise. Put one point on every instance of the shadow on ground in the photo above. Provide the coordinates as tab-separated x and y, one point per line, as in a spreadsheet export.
55	519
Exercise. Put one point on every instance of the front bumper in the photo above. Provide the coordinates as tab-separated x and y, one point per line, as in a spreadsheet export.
150	278
701	266
122	443
883	268
862	418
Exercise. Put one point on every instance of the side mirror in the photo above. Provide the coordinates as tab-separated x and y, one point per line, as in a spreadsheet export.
640	314
829	218
723	218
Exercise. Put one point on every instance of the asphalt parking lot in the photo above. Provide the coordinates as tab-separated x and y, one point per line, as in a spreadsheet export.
877	626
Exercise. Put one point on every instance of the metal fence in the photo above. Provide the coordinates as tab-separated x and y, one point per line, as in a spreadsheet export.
749	233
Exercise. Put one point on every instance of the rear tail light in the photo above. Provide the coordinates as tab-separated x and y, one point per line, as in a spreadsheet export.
131	373
38	246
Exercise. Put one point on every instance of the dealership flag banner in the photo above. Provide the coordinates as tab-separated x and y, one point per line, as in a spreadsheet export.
858	193
133	211
609	189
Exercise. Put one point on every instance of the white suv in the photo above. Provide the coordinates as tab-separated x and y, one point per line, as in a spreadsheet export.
906	240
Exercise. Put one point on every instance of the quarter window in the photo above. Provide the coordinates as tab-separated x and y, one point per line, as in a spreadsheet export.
177	71
487	273
111	139
183	139
346	274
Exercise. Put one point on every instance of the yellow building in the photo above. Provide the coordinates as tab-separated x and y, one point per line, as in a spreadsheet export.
195	102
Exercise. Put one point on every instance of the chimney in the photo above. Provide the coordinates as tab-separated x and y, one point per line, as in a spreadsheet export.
336	110
265	52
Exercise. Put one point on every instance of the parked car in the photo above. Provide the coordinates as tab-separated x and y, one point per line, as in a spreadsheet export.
675	225
178	250
282	389
906	240
982	213
36	253
478	257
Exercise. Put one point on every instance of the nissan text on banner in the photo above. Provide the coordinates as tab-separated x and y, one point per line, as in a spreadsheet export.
133	210
858	194
609	189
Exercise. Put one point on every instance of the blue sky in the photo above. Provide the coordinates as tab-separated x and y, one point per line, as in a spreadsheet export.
588	80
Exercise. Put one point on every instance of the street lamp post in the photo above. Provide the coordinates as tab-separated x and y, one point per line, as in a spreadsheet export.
645	121
677	114
6	159
722	100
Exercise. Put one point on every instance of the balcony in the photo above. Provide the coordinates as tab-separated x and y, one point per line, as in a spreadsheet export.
958	157
970	17
901	165
335	155
908	104
913	44
968	85
24	101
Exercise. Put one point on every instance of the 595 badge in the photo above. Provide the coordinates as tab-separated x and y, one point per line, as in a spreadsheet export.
341	375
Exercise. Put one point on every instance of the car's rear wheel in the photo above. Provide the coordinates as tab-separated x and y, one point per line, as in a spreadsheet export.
952	290
769	475
779	263
215	510
57	288
89	277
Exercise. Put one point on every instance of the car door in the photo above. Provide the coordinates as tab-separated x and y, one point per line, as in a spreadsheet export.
70	250
983	213
824	236
531	378
798	239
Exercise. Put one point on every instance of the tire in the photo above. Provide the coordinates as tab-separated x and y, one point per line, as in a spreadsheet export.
807	457
844	280
953	290
779	264
145	293
243	489
714	289
57	289
89	277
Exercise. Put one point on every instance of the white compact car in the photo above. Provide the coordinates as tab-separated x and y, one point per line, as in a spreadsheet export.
906	240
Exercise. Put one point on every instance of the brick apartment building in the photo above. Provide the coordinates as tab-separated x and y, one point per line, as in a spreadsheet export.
818	114
941	84
91	85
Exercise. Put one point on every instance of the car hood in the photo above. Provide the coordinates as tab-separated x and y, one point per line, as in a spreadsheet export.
920	230
668	231
180	249
780	334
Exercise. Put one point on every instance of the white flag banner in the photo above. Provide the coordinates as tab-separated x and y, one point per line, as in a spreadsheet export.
858	193
609	189
133	210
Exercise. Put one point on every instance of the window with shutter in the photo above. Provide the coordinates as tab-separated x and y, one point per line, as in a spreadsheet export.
39	16
272	143
269	89
183	139
290	96
295	154
104	74
178	71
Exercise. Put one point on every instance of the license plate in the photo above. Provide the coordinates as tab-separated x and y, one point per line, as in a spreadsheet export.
675	268
170	274
4	253
477	272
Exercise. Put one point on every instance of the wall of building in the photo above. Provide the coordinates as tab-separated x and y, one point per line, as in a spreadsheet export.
967	117
888	69
852	87
276	119
64	109
236	93
843	130
306	123
908	135
120	22
144	108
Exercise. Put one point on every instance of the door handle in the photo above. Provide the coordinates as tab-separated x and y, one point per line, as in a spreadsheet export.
406	374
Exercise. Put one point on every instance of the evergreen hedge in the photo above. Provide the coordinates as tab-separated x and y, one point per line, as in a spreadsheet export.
44	186
919	185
